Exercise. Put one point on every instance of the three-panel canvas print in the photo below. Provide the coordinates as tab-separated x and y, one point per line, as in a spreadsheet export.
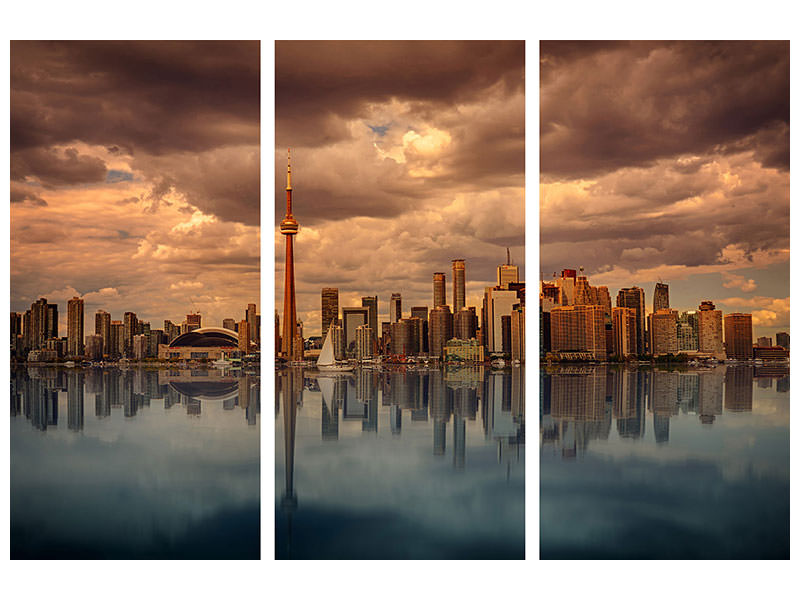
395	348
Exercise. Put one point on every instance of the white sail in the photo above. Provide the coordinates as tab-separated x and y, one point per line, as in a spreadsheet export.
326	356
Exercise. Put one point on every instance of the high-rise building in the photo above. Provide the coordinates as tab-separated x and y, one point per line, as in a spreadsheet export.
623	323
252	321
94	346
439	293
337	338
102	327
688	331
459	285
633	297
129	323
579	328
229	324
193	321
395	308
51	324
171	330
660	296
330	308
371	302
363	342
440	329
566	286
403	338
140	346
782	339
75	326
289	228
764	342
664	332
709	326
464	324
604	299
518	333
739	336
507	273
117	348
244	337
38	324
497	303
352	318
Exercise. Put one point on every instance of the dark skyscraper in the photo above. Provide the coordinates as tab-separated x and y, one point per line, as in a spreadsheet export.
102	327
634	298
395	308
459	285
440	328
75	327
660	296
51	322
371	302
439	290
330	308
352	317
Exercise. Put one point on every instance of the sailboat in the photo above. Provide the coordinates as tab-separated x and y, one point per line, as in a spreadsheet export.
327	359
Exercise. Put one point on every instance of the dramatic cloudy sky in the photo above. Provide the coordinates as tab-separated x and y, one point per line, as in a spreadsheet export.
135	177
671	161
405	155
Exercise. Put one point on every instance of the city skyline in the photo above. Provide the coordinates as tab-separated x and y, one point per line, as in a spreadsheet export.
396	176
135	175
669	161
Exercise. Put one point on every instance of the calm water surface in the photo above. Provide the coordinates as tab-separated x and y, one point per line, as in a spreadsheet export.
400	464
657	464
134	463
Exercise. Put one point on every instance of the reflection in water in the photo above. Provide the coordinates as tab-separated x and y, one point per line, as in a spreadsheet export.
370	438
625	431
179	446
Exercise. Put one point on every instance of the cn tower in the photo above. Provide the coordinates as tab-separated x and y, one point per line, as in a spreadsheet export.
289	227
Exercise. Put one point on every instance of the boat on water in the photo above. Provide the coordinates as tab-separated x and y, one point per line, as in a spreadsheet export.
327	358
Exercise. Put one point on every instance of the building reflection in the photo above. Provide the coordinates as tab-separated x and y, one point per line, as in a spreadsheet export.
580	404
41	393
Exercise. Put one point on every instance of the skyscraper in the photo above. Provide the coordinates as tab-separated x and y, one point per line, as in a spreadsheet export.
507	273
579	328
739	336
371	302
102	327
440	329
51	322
229	324
75	327
395	308
633	297
464	324
193	321
250	317
289	227
330	308
664	332
459	284
352	318
129	323
709	339
660	296
439	293
688	331
624	331
244	337
782	339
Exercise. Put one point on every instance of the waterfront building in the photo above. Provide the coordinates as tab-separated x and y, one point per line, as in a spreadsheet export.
51	322
566	286
75	327
94	346
243	337
458	350
439	293
352	318
140	346
663	332
764	342
206	343
709	326
688	331
171	330
363	342
440	329
289	228
633	297
330	308
459	284
497	303
117	347
421	312
603	299
102	327
395	308
337	333
660	296
623	326
518	333
579	329
739	336
371	302
252	321
129	323
192	322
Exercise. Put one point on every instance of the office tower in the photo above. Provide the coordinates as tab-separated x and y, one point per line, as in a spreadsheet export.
102	327
782	340
497	302
623	323
604	299
244	337
371	302
439	294
94	346
518	333
633	297
129	323
229	324
352	318
140	346
507	273
51	322
156	338
687	331
289	227
75	326
38	324
709	338
192	322
337	334
579	329
363	342
252	322
664	332
117	346
464	324
330	308
739	336
764	342
660	296
459	284
583	292
566	286
395	308
440	329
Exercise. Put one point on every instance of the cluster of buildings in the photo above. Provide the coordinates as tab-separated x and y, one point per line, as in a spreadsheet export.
577	322
35	336
450	332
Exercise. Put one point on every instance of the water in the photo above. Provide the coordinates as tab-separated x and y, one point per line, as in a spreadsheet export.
134	463
400	464
665	464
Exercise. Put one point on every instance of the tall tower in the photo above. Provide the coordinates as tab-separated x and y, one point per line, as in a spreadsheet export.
395	308
660	296
439	298
459	284
75	327
289	227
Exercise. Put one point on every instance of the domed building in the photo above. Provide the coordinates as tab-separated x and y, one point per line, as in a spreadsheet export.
205	343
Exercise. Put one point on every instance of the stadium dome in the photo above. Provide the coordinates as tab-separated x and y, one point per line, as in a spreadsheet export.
207	337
